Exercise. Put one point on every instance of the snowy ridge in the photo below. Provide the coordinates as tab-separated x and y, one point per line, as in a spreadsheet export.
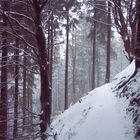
100	115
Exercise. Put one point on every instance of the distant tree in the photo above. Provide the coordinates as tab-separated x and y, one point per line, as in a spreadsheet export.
68	6
97	16
108	52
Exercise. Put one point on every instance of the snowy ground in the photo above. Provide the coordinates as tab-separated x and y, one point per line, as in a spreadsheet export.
100	115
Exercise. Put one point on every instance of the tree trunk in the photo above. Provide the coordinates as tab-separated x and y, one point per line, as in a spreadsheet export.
107	79
94	52
137	49
3	95
51	59
15	131
3	101
74	66
66	61
45	96
24	88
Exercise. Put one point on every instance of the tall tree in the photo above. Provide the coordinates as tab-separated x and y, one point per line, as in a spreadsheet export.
3	95
107	79
68	6
45	96
38	46
97	16
94	49
66	63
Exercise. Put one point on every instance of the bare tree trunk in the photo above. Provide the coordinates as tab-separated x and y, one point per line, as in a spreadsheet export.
3	95
15	131
107	79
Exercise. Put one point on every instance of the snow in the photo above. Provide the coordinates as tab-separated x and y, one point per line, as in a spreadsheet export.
100	115
124	75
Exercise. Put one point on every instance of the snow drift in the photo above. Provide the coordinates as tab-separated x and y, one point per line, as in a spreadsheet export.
100	115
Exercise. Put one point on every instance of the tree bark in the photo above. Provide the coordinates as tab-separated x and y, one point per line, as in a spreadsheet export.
45	96
45	85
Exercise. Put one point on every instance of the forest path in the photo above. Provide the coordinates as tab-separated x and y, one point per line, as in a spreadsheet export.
100	115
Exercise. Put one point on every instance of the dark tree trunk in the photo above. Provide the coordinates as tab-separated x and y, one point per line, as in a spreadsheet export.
49	39
3	101
94	52
107	79
45	96
137	49
66	61
15	130
3	95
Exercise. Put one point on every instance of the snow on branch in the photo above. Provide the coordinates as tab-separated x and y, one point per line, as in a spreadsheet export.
20	14
18	23
15	34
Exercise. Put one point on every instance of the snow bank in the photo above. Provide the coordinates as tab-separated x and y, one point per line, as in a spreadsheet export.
123	76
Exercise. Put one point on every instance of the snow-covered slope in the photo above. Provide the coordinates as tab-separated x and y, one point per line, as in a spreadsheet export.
99	115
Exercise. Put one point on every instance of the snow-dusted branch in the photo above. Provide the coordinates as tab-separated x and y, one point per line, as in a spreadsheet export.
20	14
18	23
15	34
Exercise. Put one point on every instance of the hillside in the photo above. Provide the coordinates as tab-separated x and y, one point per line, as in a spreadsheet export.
99	115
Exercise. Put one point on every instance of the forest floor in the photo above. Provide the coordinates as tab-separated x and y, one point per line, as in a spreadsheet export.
99	115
